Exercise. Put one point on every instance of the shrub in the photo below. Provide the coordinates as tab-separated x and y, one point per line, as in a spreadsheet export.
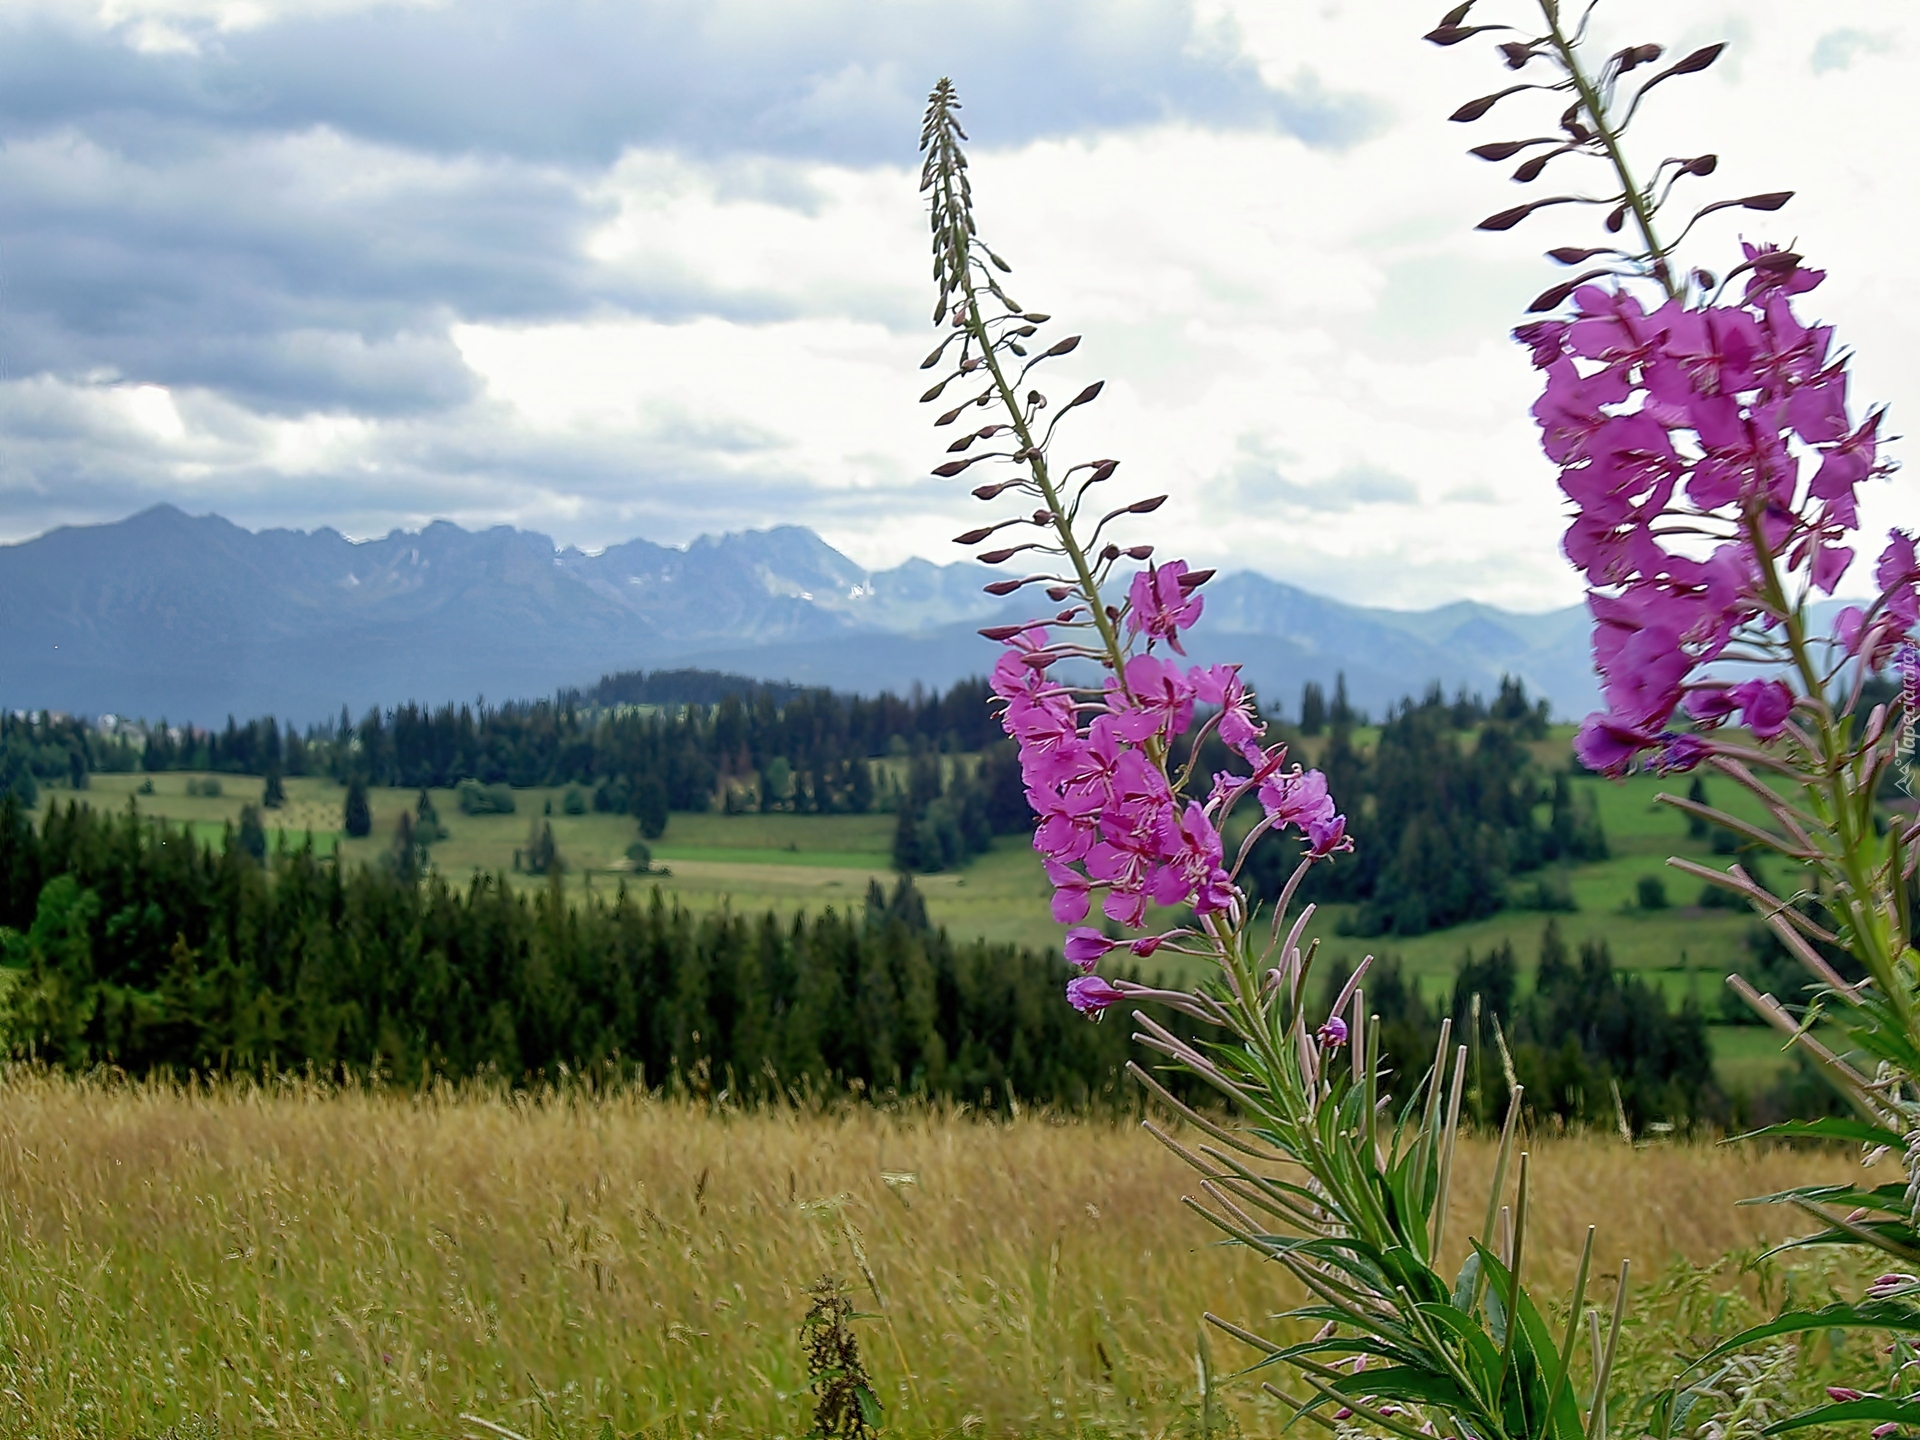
1651	892
541	856
477	799
207	788
1718	897
1550	892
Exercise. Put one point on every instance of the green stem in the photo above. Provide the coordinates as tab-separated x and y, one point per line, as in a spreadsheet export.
1037	467
1610	138
1831	793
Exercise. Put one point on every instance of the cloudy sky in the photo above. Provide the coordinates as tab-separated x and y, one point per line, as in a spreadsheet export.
606	268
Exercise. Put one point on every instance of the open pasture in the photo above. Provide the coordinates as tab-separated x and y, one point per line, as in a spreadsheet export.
307	1262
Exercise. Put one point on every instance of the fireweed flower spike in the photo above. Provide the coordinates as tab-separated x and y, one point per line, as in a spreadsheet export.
1122	822
1110	719
1712	459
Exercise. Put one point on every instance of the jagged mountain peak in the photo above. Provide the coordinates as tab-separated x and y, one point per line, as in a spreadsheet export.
195	617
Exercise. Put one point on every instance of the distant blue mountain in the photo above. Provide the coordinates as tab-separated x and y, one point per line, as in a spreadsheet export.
195	618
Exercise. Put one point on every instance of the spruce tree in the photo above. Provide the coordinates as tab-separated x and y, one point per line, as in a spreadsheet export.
252	835
906	837
408	856
860	787
1313	708
274	795
650	807
1697	825
1342	712
357	817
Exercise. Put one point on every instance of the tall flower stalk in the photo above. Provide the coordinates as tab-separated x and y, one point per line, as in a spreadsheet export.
1707	447
1308	1170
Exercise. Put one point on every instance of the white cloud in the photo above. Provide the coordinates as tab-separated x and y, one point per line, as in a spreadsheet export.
1304	345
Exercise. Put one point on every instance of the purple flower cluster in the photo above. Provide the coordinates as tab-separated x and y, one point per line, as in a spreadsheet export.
1709	457
1112	819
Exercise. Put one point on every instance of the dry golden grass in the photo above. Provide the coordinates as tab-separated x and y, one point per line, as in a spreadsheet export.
324	1263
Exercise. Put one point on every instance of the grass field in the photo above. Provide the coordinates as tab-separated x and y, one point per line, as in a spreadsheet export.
307	1263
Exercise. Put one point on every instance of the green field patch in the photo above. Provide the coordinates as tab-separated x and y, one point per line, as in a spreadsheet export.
718	855
864	835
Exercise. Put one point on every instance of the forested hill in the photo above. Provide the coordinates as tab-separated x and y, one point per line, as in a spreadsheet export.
197	618
1448	799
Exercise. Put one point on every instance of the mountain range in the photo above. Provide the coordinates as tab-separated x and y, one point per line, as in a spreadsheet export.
195	618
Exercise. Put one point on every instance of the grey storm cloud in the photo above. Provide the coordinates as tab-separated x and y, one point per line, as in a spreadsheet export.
576	81
291	218
294	214
254	265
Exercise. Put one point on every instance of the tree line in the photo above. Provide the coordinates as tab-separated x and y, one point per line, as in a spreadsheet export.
701	738
1445	806
128	944
1589	1043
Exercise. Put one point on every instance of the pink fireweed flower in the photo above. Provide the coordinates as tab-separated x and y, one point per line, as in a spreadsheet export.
1607	747
1675	424
1191	865
1327	836
1157	700
1158	604
1109	817
1089	994
1678	752
1148	944
1220	685
1085	946
1299	798
1893	1283
1764	706
1897	573
1333	1034
1071	892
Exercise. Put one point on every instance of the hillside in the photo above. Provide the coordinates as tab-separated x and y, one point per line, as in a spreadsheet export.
195	618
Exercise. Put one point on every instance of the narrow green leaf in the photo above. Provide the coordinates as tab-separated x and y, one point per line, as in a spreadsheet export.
1481	1353
1889	1199
1868	1315
1466	1283
1405	1382
1832	1127
1905	1412
1409	1270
